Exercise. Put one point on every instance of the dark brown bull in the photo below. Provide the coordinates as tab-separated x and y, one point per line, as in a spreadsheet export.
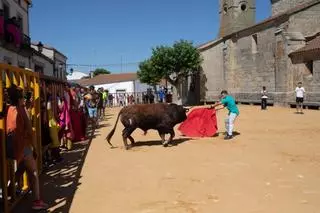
160	117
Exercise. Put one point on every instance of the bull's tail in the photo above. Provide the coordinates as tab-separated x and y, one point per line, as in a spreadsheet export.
109	136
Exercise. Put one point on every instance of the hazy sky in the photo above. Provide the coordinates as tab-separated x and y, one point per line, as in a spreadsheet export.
104	31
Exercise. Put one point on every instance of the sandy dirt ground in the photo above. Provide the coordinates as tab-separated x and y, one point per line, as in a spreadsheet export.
272	166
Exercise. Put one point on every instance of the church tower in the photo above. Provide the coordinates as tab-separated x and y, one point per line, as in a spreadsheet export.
236	15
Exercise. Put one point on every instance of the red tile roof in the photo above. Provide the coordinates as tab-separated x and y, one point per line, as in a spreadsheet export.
108	79
312	45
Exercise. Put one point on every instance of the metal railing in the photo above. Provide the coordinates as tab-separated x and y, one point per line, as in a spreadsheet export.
137	98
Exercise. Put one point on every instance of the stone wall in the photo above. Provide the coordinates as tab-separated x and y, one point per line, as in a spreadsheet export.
249	63
254	58
236	15
307	21
213	71
280	6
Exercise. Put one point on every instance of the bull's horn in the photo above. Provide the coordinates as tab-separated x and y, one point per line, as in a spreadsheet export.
187	108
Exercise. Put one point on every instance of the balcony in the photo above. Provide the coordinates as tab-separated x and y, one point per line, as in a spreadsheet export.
26	41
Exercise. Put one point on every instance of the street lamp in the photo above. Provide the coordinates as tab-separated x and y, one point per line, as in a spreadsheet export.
40	46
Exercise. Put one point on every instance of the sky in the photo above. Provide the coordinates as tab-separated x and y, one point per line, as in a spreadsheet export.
115	32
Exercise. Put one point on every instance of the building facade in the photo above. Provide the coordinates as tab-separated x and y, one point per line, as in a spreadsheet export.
116	83
58	60
249	56
14	33
15	44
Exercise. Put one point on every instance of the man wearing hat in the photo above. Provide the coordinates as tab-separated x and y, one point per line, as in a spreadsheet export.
229	102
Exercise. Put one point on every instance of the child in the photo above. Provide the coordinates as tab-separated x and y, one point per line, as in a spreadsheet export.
229	102
299	97
264	98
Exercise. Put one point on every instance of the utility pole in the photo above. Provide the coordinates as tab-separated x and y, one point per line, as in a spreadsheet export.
121	63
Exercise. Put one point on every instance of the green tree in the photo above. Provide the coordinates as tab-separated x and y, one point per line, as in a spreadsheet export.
147	74
100	71
172	63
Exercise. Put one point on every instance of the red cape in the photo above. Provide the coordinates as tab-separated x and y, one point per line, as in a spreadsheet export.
200	123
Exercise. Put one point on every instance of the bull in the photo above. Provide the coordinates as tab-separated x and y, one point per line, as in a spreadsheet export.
161	117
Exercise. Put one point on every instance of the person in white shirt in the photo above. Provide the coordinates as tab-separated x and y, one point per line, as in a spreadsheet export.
300	91
264	98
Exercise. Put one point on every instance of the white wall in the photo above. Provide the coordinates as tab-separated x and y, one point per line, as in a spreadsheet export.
47	52
140	87
47	66
15	59
57	58
60	59
76	75
128	86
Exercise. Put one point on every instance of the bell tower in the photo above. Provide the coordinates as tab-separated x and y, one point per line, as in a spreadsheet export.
236	15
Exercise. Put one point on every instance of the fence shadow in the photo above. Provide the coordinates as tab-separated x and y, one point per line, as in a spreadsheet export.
60	182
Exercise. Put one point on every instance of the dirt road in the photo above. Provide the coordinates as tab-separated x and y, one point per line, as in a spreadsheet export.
272	166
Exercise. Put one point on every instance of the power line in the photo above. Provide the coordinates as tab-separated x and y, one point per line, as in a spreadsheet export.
102	65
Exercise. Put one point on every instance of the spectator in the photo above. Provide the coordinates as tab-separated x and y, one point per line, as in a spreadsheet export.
20	145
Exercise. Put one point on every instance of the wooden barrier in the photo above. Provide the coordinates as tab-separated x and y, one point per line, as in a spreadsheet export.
38	85
28	81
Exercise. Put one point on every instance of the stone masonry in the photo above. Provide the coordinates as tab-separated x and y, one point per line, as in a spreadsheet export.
258	55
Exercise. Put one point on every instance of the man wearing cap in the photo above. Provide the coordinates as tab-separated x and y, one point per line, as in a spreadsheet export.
229	102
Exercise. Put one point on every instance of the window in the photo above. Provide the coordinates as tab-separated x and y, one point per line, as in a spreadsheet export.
6	11
225	8
254	43
38	68
309	66
243	7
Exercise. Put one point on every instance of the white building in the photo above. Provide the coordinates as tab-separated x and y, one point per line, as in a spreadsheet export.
15	43
14	33
59	60
116	83
76	75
